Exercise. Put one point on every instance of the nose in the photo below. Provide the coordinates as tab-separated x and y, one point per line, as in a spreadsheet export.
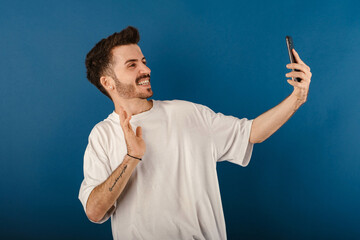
145	69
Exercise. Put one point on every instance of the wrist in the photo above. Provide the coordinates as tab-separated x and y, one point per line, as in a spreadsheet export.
134	156
300	95
297	100
135	153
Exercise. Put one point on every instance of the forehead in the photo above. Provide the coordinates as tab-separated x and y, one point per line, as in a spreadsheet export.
126	52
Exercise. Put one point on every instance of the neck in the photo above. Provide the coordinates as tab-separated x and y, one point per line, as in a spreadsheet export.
133	106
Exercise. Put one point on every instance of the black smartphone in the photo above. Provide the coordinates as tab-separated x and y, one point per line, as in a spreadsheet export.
290	46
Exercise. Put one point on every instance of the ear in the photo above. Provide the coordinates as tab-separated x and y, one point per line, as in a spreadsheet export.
107	83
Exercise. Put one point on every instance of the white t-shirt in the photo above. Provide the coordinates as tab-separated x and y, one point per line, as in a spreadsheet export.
173	193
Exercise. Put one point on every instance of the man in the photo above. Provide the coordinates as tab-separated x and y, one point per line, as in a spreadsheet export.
159	181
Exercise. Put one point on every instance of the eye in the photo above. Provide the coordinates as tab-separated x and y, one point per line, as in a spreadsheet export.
132	65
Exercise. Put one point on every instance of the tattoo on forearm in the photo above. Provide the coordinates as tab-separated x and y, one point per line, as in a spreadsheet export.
110	189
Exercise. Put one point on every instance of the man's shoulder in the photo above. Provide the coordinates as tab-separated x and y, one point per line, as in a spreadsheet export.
103	127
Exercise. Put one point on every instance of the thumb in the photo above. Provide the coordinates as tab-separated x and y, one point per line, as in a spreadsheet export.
291	82
138	132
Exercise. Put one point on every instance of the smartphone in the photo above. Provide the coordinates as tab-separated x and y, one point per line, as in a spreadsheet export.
290	46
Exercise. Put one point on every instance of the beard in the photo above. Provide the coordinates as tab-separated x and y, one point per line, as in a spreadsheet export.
129	90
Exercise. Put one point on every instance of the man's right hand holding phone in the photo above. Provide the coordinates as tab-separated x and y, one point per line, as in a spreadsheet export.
301	89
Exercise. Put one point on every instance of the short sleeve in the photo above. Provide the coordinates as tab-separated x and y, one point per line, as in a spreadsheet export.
96	170
230	136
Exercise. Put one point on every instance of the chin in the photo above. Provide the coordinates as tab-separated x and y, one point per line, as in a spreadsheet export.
146	95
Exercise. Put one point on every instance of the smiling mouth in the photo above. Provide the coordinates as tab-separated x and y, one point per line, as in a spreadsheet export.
145	82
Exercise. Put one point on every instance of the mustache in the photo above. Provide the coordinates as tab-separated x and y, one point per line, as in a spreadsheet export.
143	76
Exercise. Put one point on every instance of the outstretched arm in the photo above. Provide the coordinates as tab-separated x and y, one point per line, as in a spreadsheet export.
269	122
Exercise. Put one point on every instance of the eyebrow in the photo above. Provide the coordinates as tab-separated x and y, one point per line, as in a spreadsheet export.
133	60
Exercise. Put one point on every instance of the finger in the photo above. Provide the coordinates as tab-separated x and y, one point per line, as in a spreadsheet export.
306	77
294	83
139	132
298	66
125	114
297	74
121	115
127	124
297	57
124	119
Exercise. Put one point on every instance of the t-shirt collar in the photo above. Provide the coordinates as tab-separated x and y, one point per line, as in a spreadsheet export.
139	116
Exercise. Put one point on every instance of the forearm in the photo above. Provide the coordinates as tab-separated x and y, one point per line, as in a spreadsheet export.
103	197
269	122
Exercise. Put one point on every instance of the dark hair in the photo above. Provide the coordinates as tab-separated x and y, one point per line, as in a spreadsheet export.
98	61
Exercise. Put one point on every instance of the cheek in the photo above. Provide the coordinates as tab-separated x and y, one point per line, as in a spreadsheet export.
130	78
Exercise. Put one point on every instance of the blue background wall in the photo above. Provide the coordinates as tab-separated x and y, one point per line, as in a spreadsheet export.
303	182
